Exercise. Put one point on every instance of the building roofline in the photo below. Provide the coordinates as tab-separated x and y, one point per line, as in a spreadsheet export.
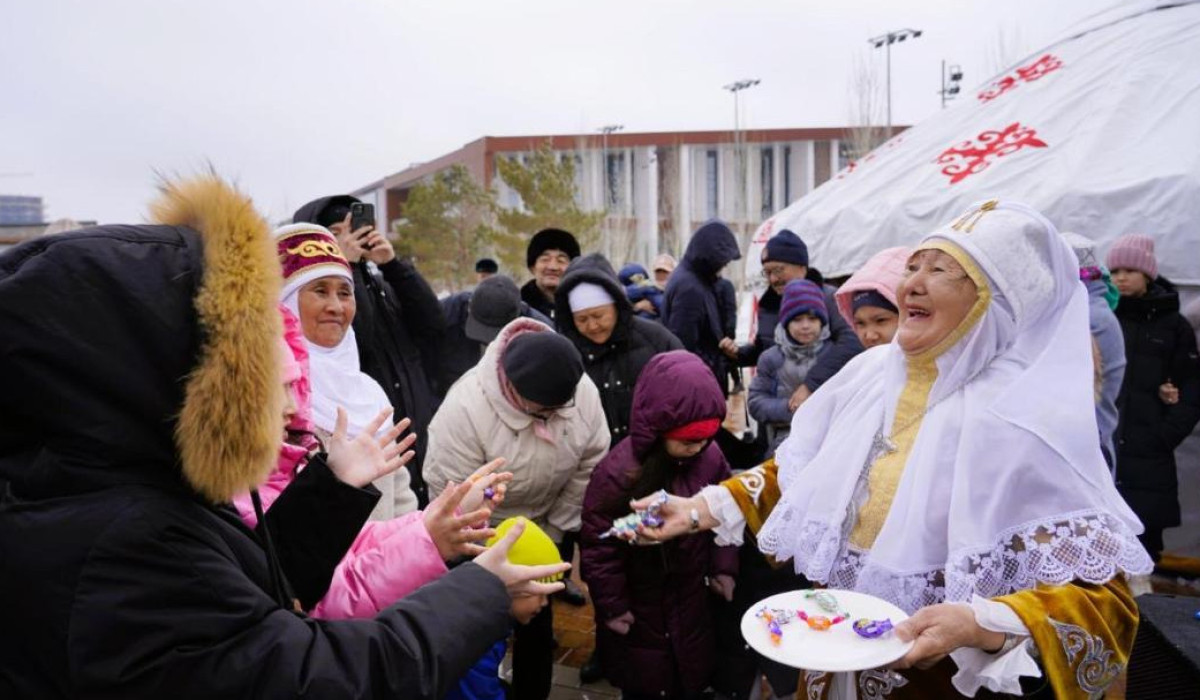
485	145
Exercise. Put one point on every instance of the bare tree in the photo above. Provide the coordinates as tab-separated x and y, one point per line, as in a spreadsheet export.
1005	49
867	106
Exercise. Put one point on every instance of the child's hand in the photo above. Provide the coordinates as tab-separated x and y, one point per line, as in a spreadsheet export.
729	347
520	580
798	397
1168	393
456	535
722	585
482	480
621	623
365	458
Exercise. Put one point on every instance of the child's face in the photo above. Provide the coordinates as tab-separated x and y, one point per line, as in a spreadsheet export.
804	329
1130	283
683	449
525	608
289	406
875	326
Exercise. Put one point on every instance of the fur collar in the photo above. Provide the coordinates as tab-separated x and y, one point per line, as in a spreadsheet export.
231	421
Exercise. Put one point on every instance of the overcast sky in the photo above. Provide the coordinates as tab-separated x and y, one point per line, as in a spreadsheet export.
299	98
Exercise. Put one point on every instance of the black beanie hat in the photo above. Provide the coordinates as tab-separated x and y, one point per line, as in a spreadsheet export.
786	247
543	366
550	239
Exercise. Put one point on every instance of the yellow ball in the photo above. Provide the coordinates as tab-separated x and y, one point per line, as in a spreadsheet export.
533	548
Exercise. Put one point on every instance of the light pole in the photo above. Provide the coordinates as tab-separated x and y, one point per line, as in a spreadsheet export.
740	157
606	130
887	40
951	83
606	179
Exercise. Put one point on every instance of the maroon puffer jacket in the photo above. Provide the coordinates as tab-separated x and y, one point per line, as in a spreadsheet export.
670	649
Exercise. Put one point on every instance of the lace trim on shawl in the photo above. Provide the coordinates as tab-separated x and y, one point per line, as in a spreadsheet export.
1087	546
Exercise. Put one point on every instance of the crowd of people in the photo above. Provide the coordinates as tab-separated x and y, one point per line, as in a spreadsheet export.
245	463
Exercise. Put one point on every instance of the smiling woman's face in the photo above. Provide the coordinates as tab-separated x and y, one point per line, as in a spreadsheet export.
935	296
326	310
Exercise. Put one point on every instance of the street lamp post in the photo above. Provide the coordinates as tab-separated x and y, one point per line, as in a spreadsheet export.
887	40
606	180
951	83
740	156
606	130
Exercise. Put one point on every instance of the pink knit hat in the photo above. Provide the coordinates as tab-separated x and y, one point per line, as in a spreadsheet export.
882	273
1133	252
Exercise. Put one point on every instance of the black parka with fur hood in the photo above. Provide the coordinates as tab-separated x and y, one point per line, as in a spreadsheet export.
141	391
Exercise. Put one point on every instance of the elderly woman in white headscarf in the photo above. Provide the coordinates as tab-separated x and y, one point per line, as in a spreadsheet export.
318	288
956	472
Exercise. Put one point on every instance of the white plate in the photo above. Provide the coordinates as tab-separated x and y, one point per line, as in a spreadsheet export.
835	650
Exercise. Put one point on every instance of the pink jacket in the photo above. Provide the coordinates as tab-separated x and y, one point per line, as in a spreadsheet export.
882	273
389	559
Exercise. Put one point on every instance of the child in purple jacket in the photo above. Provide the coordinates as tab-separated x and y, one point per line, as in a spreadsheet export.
652	603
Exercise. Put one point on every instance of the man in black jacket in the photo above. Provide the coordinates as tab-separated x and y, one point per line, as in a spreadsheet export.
547	256
785	258
399	322
142	391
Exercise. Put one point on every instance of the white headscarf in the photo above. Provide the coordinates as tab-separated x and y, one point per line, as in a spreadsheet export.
1005	485
337	381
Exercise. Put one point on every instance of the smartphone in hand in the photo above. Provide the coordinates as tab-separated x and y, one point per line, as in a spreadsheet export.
362	214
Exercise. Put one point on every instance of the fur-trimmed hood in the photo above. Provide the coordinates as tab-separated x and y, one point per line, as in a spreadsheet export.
144	354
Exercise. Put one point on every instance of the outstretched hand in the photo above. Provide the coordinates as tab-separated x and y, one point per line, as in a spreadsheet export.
458	535
676	513
364	458
519	579
483	479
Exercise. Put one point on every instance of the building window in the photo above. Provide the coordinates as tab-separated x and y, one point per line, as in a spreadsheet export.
614	175
767	179
787	175
843	154
711	178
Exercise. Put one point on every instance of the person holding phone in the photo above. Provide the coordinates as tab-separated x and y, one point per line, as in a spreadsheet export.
399	321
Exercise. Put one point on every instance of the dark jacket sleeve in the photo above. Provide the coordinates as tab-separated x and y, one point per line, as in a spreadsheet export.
844	342
684	314
313	523
748	354
169	612
603	562
1179	419
422	311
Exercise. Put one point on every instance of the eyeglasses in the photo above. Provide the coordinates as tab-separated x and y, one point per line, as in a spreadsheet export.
773	271
544	412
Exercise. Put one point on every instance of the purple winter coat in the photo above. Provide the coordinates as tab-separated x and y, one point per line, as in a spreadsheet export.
671	648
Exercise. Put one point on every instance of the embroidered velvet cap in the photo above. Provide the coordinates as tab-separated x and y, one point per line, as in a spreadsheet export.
802	296
308	252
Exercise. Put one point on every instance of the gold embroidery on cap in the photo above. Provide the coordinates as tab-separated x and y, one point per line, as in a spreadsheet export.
316	249
967	222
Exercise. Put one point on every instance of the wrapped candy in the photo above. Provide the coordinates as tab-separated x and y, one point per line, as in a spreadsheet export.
825	600
872	629
626	527
489	493
822	623
774	619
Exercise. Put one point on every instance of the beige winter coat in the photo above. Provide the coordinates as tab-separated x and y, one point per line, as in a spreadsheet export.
476	424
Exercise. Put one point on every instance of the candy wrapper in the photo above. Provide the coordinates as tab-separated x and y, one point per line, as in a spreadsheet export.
625	527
